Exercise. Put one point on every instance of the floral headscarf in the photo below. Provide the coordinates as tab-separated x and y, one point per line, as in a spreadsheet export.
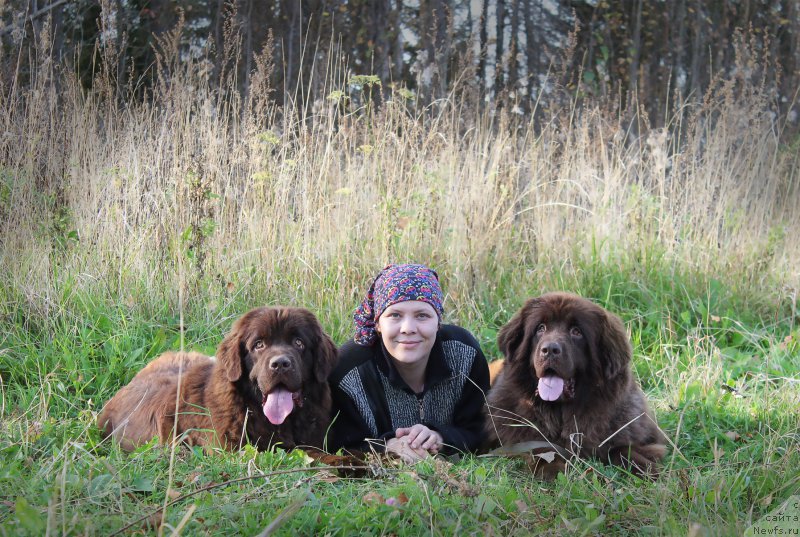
396	283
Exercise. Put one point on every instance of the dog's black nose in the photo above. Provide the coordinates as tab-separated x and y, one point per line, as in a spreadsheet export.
280	362
551	348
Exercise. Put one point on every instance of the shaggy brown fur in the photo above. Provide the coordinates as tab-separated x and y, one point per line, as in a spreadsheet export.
277	351
596	409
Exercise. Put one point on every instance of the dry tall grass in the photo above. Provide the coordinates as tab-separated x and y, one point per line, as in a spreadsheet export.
112	193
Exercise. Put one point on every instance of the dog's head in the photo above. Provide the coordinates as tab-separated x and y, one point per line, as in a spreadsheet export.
562	345
274	354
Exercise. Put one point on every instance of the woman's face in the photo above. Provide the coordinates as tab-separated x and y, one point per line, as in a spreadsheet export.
408	330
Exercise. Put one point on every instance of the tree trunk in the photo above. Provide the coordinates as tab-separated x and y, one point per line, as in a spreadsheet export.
532	47
499	68
248	46
378	32
636	47
698	47
442	46
292	16
398	44
513	48
484	45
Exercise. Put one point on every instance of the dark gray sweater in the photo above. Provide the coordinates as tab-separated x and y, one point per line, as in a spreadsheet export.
371	400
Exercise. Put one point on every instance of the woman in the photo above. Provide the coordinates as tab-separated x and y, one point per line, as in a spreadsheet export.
407	382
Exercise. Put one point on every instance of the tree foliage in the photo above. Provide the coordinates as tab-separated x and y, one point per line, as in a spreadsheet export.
650	57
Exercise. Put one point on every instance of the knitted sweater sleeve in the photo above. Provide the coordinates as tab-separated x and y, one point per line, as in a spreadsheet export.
349	429
467	431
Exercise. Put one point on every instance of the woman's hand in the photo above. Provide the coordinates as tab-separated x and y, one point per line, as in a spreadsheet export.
401	447
420	437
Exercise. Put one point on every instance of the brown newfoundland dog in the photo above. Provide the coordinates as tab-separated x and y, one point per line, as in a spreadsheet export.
267	386
567	380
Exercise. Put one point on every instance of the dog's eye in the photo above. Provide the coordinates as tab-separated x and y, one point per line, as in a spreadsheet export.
541	329
299	343
259	345
575	332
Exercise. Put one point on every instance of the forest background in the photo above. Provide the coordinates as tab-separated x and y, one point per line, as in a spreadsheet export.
165	166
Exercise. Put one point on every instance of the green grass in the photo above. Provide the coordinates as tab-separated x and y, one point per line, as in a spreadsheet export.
734	457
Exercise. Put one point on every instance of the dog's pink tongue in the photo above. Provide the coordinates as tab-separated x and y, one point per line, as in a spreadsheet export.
278	405
550	387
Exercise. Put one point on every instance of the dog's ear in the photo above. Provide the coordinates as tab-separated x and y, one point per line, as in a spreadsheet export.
325	359
511	337
614	345
229	352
